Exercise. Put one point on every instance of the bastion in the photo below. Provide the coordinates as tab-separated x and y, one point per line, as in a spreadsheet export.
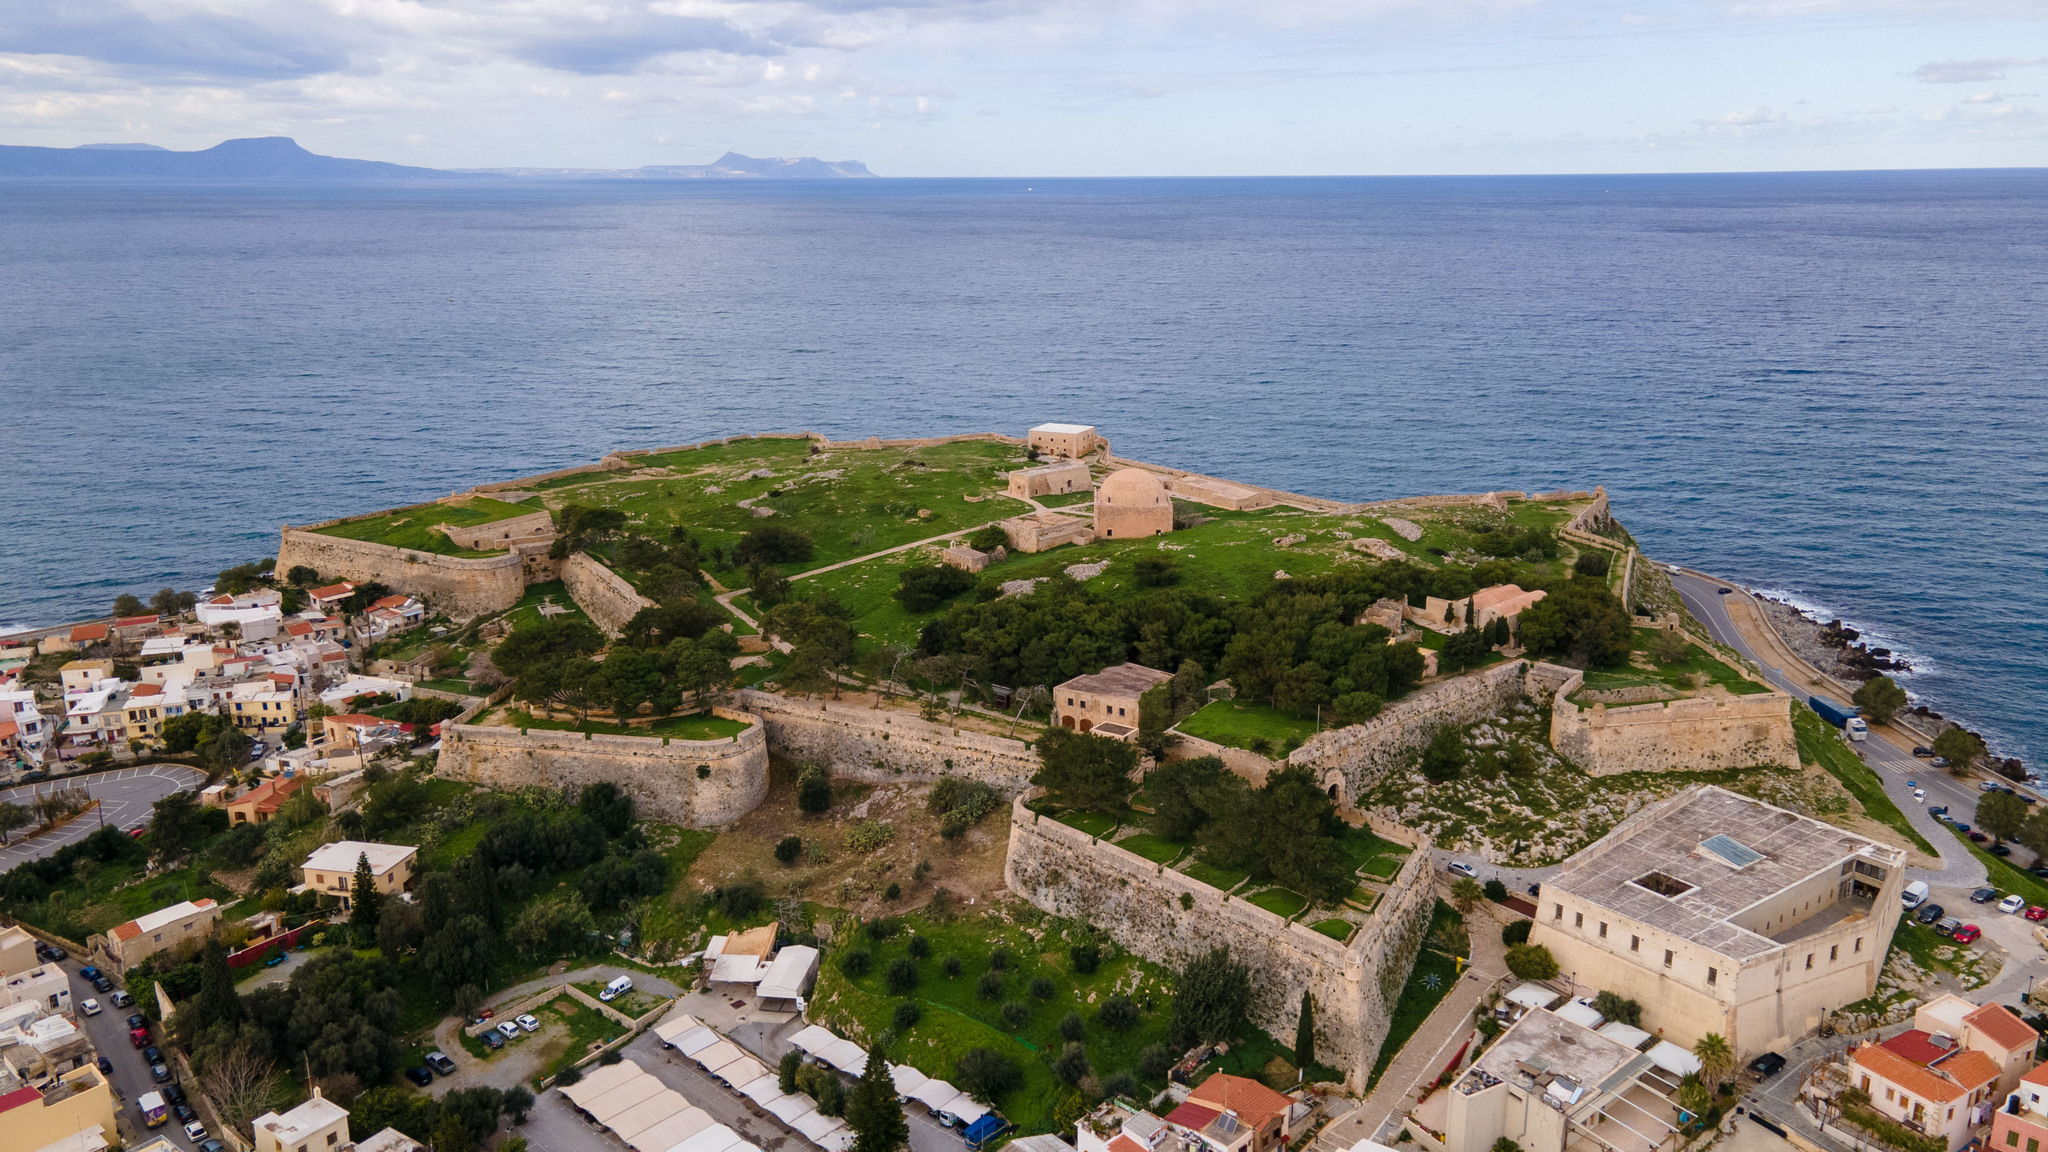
1170	918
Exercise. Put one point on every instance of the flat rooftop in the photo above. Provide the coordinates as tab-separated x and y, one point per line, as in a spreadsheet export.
1543	1043
1067	429
1693	864
1116	680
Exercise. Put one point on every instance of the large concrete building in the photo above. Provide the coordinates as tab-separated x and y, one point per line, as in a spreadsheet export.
1549	1084
331	869
1724	914
1132	502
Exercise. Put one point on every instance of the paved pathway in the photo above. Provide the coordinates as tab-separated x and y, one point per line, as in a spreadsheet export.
1433	1044
125	797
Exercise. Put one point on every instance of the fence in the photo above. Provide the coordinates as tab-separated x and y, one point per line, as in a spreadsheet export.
286	941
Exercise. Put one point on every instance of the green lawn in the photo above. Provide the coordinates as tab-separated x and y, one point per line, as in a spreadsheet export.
586	1026
1431	981
414	527
1221	879
1676	676
1819	743
1152	847
1336	928
1369	852
1279	901
526	613
1093	823
956	1019
1363	898
1381	867
698	726
1243	724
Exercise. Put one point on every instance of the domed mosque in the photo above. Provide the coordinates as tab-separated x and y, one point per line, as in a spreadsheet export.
1132	502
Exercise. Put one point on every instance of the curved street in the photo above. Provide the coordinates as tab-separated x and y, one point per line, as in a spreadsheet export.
125	797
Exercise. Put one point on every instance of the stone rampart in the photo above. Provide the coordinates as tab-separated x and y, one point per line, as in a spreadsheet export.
528	529
461	586
1169	918
1700	734
603	594
1250	765
1277	495
696	783
1354	758
882	746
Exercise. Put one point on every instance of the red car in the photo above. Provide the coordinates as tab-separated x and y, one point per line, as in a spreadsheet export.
139	1037
2036	912
1968	933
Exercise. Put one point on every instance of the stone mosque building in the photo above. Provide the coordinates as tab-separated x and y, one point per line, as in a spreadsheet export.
1132	502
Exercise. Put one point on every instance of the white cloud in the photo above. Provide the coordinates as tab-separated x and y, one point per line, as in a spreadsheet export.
1971	71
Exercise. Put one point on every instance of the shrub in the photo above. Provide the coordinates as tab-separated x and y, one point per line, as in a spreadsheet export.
1071	1065
869	836
772	544
1118	1014
1531	962
1155	1061
1015	1013
881	928
1120	1084
789	848
1041	987
893	892
738	901
1496	891
1072	1027
1086	956
1516	933
856	962
786	1070
907	1015
920	947
951	965
923	587
989	539
813	789
568	1076
990	985
999	960
1592	563
1157	572
985	1074
902	975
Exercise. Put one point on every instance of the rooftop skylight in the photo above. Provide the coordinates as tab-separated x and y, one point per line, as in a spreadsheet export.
1735	853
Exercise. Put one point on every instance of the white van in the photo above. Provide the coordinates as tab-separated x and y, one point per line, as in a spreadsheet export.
1914	895
624	984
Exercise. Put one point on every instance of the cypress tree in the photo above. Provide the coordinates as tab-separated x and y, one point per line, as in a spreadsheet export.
1305	1035
365	897
873	1114
218	1001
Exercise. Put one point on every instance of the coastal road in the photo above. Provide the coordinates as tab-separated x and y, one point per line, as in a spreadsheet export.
125	797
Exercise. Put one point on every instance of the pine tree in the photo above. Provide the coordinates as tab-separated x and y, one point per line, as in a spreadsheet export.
873	1114
365	897
218	1002
1305	1035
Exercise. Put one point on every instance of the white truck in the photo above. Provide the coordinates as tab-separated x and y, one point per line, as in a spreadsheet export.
1856	729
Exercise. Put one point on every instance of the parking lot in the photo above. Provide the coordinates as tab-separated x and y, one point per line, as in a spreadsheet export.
130	1075
125	797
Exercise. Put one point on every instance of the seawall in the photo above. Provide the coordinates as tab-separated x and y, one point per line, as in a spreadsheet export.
1700	734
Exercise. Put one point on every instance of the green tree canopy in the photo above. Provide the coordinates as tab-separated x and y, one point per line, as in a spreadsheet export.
2001	814
1211	997
1085	770
1959	747
872	1111
1880	697
1582	623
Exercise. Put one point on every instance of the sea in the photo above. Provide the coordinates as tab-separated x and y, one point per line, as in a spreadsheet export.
1832	387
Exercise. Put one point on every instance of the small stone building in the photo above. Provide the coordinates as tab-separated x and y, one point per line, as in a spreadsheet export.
1490	604
967	559
1072	441
331	869
127	944
1044	531
1106	702
1132	502
1051	479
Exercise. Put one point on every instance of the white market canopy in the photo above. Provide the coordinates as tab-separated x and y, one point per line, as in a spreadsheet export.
716	1138
606	1078
744	1070
762	1089
696	1040
1623	1033
675	1026
966	1108
1673	1059
788	1108
836	1141
1533	995
907	1079
815	1125
737	970
672	1131
791	973
846	1056
1581	1013
936	1095
717	1056
812	1039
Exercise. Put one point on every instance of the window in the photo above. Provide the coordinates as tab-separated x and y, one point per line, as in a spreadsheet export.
1809	961
332	1137
157	939
1603	929
1866	1085
1578	919
1713	976
1859	945
1635	943
1667	957
1558	913
2012	1138
2033	1144
1887	1093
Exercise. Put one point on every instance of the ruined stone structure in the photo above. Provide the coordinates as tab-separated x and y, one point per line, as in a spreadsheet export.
534	527
881	747
965	558
1218	493
1140	905
1132	502
1051	479
1044	531
1700	734
696	783
602	593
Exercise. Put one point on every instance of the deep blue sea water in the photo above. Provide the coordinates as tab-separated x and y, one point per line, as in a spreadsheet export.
1832	386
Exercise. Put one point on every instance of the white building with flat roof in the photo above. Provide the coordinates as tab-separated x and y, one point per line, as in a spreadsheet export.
331	869
318	1125
1719	913
1072	441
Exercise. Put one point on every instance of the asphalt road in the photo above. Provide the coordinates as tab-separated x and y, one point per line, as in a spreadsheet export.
125	796
109	1033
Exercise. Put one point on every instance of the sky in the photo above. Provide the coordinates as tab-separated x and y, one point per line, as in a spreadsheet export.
1051	87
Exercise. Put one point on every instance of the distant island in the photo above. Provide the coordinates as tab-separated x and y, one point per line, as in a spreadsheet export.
281	158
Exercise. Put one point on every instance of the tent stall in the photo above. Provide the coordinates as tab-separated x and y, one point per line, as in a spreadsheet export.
846	1056
763	1089
675	1026
788	1108
907	1079
1533	995
816	1126
812	1039
1621	1033
672	1131
695	1040
1582	1013
1673	1059
717	1056
717	1138
791	974
936	1095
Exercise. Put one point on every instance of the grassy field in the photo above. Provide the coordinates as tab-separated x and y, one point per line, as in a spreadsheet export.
1152	848
956	1019
414	527
581	1027
1819	743
699	726
1251	726
1370	853
1278	901
1676	677
526	613
1434	975
1336	928
1221	879
1093	823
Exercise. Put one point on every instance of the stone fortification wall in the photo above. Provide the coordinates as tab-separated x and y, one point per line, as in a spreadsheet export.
1354	758
696	783
1250	765
461	586
1701	734
1276	495
1139	904
534	527
602	593
879	746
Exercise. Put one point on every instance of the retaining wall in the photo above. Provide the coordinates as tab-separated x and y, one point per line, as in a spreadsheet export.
696	783
603	594
882	746
1354	758
461	586
1696	735
1140	905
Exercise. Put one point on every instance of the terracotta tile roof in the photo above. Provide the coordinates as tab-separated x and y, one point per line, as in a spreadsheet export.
86	632
339	591
2038	1074
1253	1102
393	602
1998	1025
356	720
1192	1116
18	1097
270	795
8	729
145	690
1124	1143
1970	1068
1116	680
1911	1077
1917	1046
137	621
299	628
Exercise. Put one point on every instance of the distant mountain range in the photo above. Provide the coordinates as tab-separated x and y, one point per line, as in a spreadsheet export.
281	158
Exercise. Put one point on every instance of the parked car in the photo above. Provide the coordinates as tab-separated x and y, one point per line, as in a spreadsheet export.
440	1063
122	999
1939	811
419	1076
174	1094
194	1130
618	987
1922	751
485	1014
104	983
2036	912
1919	795
1948	926
1978	838
274	961
491	1039
153	1055
136	1020
1930	913
509	1029
528	1023
106	1065
159	1072
2012	904
1939	761
1968	933
212	1146
89	973
1999	850
1768	1064
184	1113
1460	868
1983	895
138	1037
89	1006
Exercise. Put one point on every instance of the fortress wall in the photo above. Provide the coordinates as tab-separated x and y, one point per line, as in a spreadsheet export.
461	586
1696	735
602	593
1141	906
1278	496
1354	758
880	746
504	533
696	783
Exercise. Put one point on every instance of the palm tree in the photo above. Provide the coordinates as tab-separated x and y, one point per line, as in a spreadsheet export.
1716	1058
